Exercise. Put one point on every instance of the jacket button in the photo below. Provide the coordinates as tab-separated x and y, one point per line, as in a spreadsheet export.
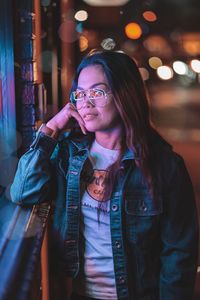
121	279
118	244
143	207
114	207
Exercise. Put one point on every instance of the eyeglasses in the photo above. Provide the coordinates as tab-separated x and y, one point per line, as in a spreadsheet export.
96	97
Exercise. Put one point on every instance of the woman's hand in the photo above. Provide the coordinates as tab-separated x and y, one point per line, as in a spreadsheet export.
64	119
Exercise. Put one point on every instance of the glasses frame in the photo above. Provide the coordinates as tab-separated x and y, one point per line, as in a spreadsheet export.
90	99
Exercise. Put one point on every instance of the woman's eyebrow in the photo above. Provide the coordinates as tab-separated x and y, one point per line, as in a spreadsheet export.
93	85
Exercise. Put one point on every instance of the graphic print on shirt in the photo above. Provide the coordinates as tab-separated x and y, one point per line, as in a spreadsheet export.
94	178
96	186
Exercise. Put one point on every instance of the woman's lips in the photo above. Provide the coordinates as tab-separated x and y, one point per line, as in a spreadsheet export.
89	117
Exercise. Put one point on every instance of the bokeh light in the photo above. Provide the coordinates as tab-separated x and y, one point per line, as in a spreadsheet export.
144	73
130	46
157	45
133	31
180	67
83	43
79	27
81	15
149	16
108	44
195	65
67	31
191	43
164	72
155	62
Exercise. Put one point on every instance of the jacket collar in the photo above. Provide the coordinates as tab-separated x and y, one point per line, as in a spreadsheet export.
129	154
84	144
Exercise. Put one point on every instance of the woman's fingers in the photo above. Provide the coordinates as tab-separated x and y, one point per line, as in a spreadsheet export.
74	113
64	119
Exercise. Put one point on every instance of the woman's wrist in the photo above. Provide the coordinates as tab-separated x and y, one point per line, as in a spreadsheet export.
53	133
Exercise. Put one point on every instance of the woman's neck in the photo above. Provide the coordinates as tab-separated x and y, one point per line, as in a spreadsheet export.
110	139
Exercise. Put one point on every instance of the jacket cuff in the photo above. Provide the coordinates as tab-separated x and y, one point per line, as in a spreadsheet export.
44	142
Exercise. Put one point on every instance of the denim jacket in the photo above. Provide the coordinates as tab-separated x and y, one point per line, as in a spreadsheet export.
154	242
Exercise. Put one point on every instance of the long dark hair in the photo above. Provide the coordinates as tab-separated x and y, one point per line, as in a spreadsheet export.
131	100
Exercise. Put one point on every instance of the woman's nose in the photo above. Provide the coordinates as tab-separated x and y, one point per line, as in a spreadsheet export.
87	102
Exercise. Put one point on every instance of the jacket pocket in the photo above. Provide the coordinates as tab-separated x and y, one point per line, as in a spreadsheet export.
141	203
142	216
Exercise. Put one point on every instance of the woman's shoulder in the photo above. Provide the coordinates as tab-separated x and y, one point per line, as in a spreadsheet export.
75	139
164	153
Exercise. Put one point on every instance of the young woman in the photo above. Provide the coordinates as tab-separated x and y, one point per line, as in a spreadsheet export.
125	221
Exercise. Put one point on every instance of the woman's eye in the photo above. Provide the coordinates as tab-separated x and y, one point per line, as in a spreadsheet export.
98	93
79	95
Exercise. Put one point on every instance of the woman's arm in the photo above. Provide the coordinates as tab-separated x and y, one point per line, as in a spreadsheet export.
34	173
33	177
179	233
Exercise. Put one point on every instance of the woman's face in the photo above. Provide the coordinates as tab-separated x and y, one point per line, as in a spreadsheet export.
97	118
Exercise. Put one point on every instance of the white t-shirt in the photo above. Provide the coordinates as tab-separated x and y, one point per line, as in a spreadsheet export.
97	278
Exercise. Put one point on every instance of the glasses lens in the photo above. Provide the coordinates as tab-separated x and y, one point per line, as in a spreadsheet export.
98	97
96	94
78	95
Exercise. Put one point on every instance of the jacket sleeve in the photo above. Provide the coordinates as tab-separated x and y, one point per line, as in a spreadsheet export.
179	234
32	180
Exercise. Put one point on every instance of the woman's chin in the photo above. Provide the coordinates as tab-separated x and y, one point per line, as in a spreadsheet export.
91	128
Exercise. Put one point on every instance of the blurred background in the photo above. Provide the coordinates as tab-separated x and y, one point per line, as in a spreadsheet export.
163	36
46	40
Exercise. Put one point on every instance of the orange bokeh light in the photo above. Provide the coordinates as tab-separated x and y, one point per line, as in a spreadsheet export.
149	15
133	31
